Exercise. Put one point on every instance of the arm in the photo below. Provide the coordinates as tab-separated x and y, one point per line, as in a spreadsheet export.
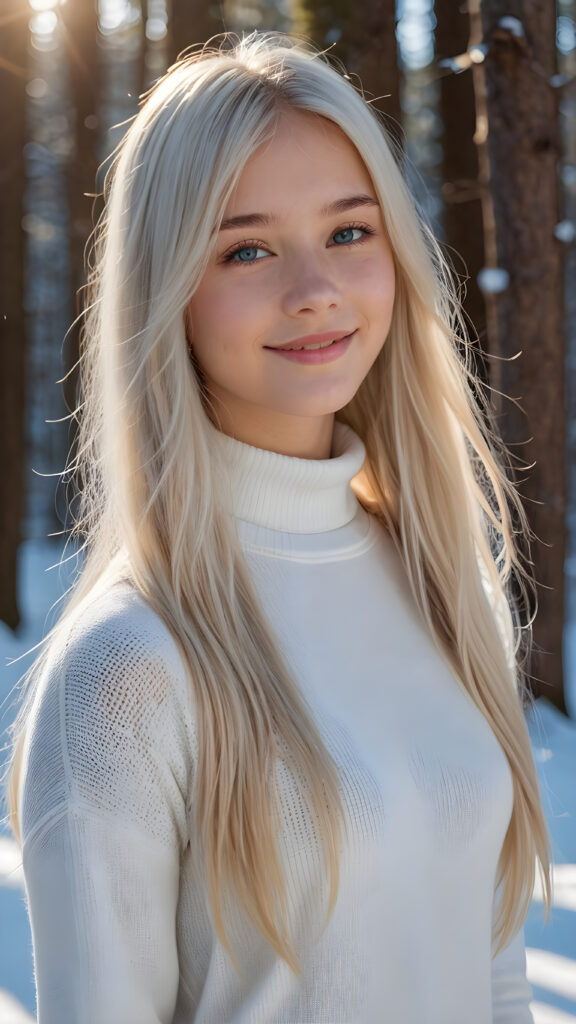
102	903
104	820
511	990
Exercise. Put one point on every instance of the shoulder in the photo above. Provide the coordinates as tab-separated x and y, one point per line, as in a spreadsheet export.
113	725
120	616
115	662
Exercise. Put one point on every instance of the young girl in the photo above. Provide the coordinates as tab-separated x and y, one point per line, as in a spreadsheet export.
271	766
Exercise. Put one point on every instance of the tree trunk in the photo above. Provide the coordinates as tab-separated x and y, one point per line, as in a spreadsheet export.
191	23
461	190
523	144
80	24
13	76
364	34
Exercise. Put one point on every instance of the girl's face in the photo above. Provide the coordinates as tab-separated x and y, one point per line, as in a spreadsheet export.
302	251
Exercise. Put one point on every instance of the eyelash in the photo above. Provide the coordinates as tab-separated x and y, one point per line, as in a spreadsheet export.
253	243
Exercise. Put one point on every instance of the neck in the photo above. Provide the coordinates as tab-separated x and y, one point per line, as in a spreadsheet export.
299	437
297	495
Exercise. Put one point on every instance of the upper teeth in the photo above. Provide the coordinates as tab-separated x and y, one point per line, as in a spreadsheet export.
323	344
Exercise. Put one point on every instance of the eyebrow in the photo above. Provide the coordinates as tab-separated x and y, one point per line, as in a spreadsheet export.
248	220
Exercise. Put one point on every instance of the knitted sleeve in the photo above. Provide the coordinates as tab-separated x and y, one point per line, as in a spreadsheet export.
108	766
511	990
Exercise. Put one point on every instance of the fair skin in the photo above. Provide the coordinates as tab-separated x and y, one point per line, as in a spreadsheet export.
305	270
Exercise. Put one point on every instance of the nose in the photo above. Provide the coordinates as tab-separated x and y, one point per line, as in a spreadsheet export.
311	287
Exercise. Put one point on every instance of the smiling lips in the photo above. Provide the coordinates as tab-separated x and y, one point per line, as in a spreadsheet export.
312	341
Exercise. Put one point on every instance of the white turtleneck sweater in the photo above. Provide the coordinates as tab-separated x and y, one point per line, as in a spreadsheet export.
121	925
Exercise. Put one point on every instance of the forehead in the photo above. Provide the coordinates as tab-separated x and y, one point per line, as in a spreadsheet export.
308	156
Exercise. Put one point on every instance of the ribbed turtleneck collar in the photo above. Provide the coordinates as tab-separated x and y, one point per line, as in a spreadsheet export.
282	492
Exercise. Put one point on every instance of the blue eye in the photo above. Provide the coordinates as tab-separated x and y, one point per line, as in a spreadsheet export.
348	232
245	255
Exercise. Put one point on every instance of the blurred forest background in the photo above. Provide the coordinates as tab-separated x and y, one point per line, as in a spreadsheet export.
482	96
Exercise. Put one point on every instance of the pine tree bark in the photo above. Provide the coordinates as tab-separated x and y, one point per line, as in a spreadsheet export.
80	22
13	76
461	191
523	143
190	24
364	38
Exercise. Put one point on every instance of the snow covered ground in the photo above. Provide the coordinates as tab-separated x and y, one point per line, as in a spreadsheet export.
551	947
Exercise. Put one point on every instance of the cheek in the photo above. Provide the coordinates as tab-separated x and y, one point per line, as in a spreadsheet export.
222	326
209	314
377	282
222	307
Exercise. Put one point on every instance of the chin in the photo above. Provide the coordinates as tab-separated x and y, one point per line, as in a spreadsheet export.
322	407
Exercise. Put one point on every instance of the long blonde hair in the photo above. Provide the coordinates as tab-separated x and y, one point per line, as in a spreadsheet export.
153	502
